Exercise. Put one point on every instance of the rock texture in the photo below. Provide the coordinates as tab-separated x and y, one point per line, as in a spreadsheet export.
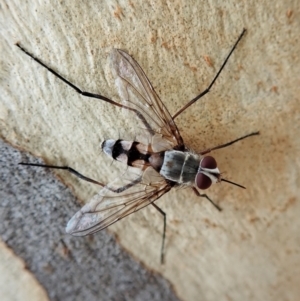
249	251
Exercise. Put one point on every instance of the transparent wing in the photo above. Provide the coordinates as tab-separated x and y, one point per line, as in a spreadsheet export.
138	94
114	202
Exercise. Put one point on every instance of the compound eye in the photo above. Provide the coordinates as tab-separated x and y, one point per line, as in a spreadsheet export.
208	162
202	181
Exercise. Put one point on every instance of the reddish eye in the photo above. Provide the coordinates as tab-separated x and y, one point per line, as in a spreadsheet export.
208	162
203	181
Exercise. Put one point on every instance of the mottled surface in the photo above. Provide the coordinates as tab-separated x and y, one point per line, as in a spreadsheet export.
249	251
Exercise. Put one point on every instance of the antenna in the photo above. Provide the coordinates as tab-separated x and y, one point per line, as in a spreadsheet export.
238	185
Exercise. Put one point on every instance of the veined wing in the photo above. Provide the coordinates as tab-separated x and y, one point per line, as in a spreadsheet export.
137	93
108	207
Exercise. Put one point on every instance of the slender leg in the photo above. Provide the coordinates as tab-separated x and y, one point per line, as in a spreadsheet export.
205	196
213	81
162	255
228	143
88	94
81	176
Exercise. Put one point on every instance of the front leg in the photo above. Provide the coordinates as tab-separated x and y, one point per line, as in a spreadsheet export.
205	196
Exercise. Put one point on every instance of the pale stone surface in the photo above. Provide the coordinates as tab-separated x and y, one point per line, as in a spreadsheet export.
16	282
250	251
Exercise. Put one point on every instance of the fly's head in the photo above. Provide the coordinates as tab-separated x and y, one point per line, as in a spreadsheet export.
208	173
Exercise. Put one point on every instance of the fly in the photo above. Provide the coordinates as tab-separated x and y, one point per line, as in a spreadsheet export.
160	157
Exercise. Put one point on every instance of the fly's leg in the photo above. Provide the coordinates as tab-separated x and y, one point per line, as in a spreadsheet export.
88	94
213	81
162	255
205	196
69	169
228	143
81	176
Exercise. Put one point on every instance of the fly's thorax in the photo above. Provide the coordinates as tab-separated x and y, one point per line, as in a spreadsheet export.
180	167
190	169
131	153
